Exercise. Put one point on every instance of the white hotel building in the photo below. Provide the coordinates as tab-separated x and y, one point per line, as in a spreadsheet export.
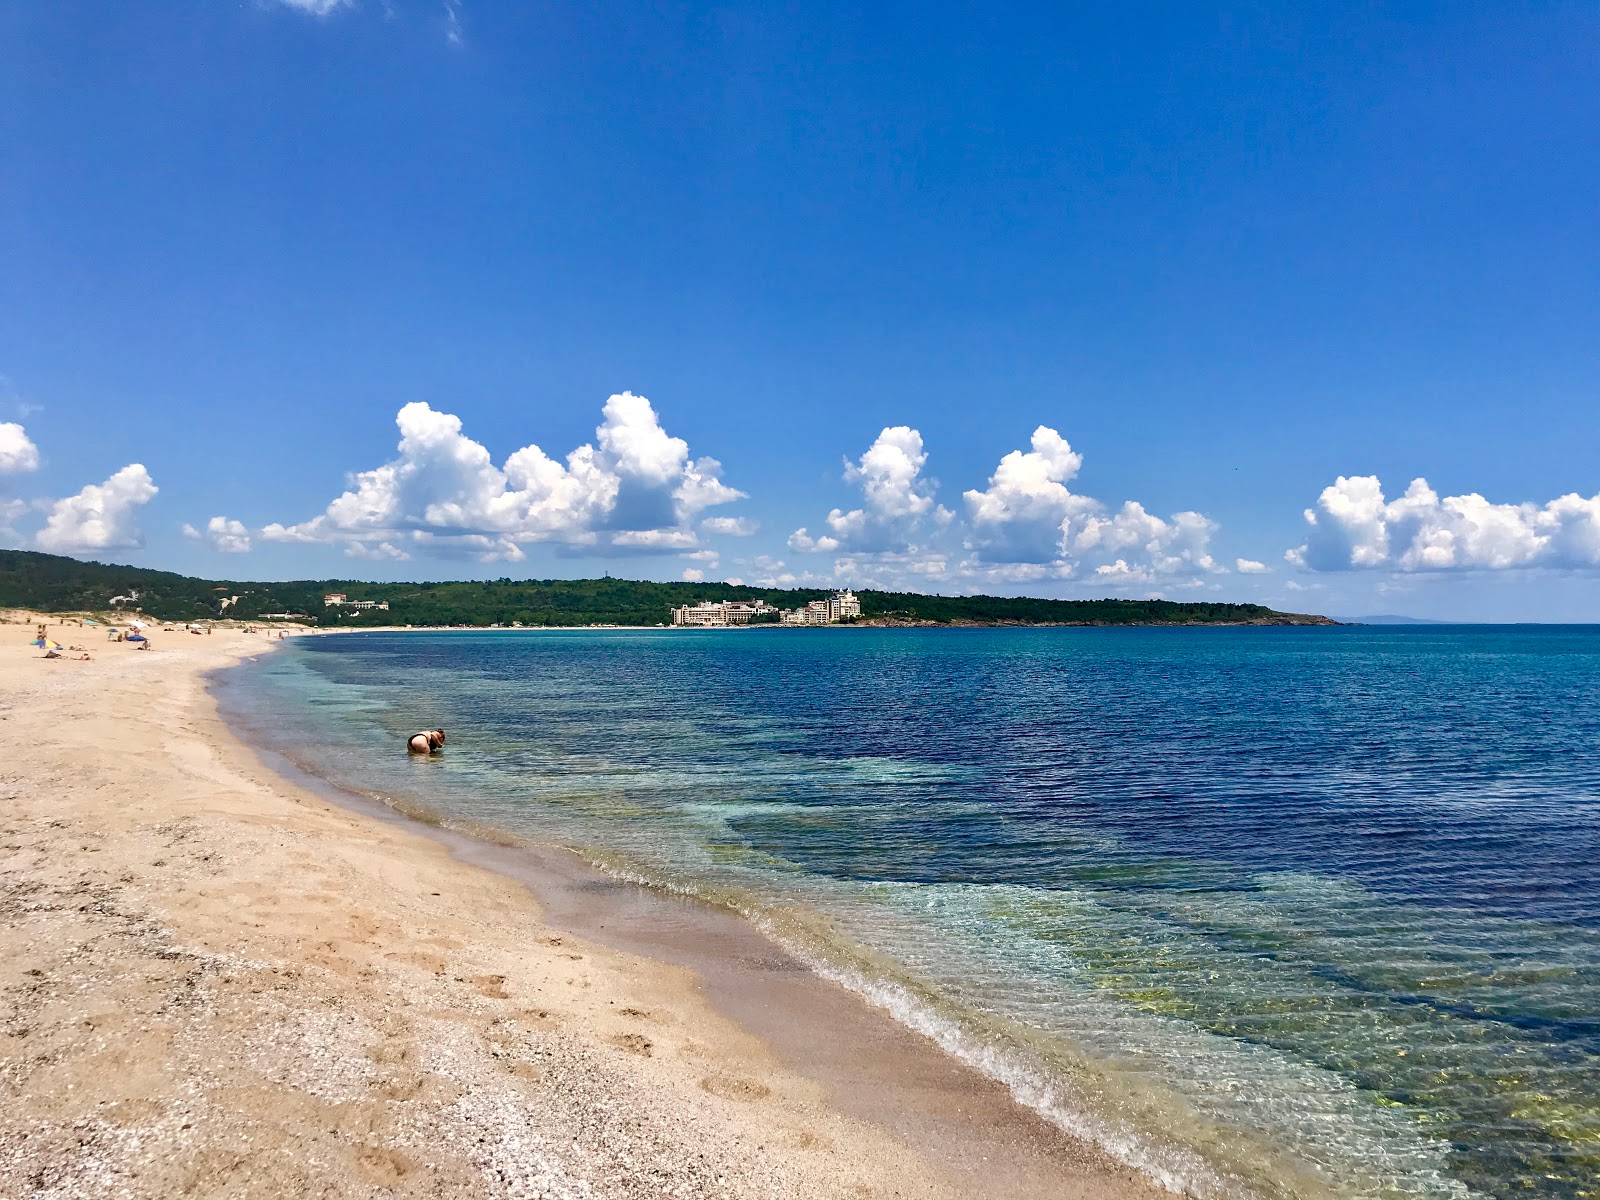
720	612
340	600
841	606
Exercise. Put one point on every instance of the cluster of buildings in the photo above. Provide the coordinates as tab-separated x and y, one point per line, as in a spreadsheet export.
721	612
340	600
841	606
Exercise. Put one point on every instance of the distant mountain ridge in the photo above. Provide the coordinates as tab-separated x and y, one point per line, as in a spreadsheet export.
1390	619
51	583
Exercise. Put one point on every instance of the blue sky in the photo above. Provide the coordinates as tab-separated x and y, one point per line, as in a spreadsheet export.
1196	269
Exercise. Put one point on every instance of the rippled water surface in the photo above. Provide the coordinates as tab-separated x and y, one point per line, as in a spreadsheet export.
1276	911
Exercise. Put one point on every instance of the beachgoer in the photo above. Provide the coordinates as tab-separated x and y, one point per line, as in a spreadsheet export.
428	741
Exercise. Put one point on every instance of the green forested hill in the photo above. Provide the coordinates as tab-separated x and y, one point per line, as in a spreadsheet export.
54	584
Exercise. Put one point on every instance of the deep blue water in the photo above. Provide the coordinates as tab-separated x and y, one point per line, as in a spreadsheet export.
1284	911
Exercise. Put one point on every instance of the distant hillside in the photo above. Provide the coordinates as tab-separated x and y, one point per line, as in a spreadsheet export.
1391	619
53	584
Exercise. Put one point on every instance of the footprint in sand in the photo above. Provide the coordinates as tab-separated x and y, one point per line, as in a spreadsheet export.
634	1043
731	1087
384	1166
492	986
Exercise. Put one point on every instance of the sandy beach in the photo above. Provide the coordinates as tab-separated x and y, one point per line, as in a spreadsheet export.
219	982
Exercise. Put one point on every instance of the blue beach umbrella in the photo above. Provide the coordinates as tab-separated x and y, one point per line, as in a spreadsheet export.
136	637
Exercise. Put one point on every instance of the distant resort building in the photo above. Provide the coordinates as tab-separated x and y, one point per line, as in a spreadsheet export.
841	606
339	600
721	612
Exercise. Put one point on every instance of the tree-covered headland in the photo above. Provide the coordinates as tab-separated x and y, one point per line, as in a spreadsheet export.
49	583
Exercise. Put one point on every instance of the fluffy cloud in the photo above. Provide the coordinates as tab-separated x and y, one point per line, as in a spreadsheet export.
17	453
10	510
1019	517
897	506
377	552
655	539
317	8
1027	524
892	571
732	526
101	516
1249	566
221	533
1354	526
636	490
1160	547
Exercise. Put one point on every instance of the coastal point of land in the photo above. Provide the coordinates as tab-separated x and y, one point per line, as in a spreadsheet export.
218	982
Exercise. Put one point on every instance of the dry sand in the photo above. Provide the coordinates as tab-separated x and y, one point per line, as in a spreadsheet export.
217	983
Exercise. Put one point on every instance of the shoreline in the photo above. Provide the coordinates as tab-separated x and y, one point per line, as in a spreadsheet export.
736	1070
871	623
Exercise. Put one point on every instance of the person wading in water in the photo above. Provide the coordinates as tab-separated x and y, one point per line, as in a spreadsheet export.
429	741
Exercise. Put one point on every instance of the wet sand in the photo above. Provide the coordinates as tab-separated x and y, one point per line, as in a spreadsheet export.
221	978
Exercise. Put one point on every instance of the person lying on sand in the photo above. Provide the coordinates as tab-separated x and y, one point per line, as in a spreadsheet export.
429	741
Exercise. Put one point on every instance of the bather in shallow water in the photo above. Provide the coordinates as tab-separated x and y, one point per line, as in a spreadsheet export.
428	741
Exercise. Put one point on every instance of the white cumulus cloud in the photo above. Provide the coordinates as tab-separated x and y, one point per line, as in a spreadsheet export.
17	453
1028	524
1161	547
1018	518
221	533
100	517
10	510
732	526
317	8
637	489
1354	526
1249	566
897	501
377	551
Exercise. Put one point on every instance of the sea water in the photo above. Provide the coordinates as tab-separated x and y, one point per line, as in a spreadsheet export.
1270	912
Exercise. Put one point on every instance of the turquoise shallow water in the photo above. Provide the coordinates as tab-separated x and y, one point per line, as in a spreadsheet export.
1266	911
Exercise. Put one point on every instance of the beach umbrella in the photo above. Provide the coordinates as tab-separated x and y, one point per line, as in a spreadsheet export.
137	637
138	624
45	643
